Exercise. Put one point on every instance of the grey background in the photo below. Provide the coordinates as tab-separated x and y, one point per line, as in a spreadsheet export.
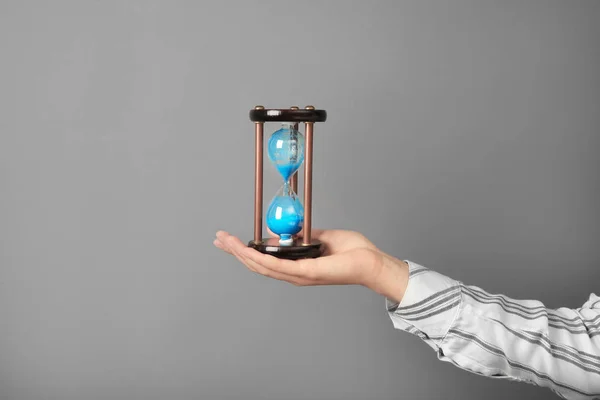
461	135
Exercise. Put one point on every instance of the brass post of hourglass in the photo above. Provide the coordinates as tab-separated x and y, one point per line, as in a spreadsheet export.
308	161
258	178
294	179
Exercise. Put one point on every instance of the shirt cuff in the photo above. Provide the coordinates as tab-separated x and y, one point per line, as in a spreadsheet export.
429	306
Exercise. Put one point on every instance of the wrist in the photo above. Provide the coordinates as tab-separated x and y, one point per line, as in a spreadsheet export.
390	278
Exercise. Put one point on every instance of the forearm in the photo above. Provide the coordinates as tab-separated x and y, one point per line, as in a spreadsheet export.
495	336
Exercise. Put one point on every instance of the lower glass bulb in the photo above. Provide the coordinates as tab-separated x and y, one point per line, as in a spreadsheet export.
285	215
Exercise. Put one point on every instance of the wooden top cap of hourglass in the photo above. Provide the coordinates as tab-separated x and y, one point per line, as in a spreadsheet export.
292	114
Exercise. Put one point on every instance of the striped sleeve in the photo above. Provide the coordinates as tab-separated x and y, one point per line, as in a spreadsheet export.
499	337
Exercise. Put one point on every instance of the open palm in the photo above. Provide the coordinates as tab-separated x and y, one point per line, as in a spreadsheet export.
349	258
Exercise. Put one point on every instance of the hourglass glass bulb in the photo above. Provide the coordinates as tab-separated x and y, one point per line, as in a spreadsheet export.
285	215
286	150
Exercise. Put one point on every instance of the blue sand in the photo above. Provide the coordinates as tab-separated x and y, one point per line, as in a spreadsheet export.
287	170
285	216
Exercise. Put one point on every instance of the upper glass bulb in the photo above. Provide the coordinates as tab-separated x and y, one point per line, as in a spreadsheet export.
286	150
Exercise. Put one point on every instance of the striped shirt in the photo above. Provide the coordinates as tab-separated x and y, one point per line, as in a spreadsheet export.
495	336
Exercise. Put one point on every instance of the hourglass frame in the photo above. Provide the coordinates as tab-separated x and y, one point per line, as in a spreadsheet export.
306	246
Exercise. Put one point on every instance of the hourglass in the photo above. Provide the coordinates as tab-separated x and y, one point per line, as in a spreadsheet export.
287	216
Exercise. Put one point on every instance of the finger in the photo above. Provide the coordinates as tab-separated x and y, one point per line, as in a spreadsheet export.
245	263
238	249
226	240
223	242
222	235
267	265
277	275
242	252
344	268
229	244
298	268
220	245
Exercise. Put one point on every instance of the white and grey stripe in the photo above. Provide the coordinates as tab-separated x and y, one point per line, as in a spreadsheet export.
573	325
488	347
446	293
520	339
416	272
586	361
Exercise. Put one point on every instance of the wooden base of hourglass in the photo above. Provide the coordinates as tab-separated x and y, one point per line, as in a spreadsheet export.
296	251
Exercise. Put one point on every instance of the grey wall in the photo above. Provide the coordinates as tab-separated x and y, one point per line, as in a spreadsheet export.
461	135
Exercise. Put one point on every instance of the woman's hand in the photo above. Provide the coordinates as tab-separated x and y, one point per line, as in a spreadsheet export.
349	259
